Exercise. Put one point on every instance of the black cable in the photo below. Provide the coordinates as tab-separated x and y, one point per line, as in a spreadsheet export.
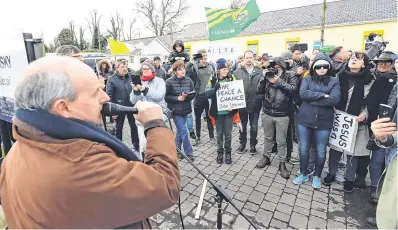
179	199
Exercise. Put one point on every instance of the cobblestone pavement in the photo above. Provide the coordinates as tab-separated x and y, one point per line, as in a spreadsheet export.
262	194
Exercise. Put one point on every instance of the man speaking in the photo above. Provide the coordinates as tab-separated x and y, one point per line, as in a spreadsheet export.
65	172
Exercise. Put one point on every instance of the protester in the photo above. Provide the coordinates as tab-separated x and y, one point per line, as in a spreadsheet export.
119	89
277	89
355	83
224	119
70	51
251	77
104	69
320	92
85	167
160	71
179	94
339	56
386	78
178	53
152	89
201	74
236	65
386	137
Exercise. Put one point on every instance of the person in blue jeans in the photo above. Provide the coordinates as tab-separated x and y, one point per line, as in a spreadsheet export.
179	94
190	126
320	92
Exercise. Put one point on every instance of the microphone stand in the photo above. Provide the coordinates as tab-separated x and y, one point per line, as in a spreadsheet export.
220	197
221	193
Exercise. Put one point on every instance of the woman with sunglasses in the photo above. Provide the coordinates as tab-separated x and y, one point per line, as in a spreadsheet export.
320	92
356	80
179	94
147	88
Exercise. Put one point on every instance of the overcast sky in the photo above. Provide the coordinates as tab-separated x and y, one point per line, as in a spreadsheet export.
50	17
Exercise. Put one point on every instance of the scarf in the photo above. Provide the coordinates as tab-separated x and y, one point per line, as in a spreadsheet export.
148	78
359	79
64	129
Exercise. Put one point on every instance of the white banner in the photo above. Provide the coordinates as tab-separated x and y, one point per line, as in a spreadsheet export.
217	51
344	132
13	61
231	95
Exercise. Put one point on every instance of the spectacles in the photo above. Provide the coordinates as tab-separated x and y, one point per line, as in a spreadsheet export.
358	55
318	67
145	69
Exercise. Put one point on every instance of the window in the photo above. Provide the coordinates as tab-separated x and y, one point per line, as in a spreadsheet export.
366	42
253	46
187	49
291	41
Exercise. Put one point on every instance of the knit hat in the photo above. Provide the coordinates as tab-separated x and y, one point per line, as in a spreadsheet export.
221	65
320	62
150	64
287	55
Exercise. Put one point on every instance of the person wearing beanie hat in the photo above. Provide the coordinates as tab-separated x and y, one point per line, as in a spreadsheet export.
223	119
276	88
288	57
320	92
147	88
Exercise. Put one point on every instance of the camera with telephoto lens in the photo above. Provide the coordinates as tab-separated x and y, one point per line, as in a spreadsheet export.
272	71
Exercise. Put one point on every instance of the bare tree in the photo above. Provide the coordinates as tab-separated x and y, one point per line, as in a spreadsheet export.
72	30
117	23
236	4
159	18
93	25
82	41
130	30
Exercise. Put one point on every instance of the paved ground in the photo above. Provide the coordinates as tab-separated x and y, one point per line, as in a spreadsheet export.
262	194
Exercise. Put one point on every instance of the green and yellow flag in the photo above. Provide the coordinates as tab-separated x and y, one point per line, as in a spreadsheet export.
227	23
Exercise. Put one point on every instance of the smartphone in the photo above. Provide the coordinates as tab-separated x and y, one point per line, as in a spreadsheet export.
136	80
385	111
190	93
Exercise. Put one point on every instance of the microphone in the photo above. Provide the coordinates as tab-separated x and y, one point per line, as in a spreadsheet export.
112	109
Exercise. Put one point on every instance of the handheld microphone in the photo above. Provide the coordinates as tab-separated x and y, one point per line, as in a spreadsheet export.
112	109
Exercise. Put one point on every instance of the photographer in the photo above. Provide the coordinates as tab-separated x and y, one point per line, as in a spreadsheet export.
277	88
72	174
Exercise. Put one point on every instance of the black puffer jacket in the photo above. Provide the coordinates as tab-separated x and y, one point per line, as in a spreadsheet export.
119	89
174	54
174	87
278	96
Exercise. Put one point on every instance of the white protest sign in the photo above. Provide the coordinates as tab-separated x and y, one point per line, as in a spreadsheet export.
231	95
344	131
13	61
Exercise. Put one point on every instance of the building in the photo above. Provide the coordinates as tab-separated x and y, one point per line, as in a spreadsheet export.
348	23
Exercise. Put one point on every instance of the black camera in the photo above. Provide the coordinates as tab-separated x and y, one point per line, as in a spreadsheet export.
372	36
272	71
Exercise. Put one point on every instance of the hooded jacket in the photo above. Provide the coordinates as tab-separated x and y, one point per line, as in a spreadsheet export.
107	72
317	111
174	54
277	97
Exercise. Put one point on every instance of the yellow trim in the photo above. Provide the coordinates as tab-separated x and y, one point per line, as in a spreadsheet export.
288	40
188	47
366	33
252	42
296	39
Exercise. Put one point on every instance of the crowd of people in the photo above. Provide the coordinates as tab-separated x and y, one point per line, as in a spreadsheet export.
295	95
